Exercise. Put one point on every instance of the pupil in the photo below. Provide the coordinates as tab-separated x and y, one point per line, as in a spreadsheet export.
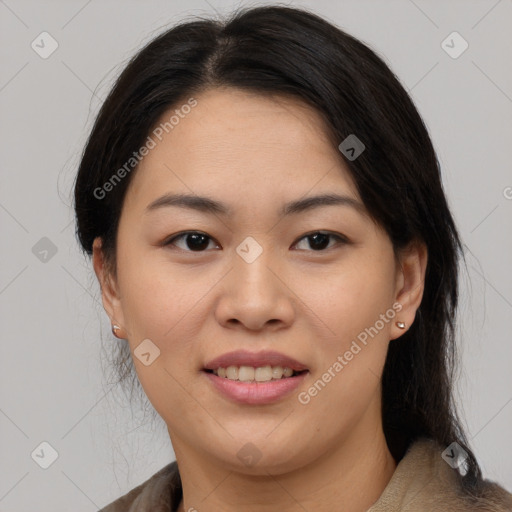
321	241
198	241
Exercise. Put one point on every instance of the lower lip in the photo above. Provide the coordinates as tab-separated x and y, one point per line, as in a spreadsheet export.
256	393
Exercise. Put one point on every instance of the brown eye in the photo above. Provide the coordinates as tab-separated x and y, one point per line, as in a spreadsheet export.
319	241
193	241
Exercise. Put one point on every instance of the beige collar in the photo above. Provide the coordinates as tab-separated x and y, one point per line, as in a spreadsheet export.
422	482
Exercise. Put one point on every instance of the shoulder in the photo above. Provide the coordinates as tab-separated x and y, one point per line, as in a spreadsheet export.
423	481
159	493
492	497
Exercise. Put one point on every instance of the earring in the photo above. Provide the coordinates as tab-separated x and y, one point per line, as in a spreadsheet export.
115	328
400	325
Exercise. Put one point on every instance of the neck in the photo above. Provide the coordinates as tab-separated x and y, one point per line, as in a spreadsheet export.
348	478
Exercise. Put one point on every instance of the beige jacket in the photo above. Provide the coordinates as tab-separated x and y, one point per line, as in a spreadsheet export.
422	482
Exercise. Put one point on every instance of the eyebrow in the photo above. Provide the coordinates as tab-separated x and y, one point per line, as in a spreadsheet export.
208	205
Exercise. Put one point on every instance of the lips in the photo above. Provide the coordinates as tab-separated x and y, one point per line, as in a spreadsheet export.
255	393
252	392
254	359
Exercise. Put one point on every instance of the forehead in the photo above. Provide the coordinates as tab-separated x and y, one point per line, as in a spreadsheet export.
233	139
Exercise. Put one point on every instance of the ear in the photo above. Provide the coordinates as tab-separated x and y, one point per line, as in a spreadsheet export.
109	290
410	284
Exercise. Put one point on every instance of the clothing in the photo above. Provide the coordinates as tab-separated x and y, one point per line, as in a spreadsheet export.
422	482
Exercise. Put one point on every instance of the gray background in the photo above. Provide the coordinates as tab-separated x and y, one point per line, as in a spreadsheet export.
51	318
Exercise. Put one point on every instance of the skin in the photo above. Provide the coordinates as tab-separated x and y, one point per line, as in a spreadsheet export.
256	153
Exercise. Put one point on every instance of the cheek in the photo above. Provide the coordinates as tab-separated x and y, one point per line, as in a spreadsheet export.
353	298
350	361
163	306
352	357
156	299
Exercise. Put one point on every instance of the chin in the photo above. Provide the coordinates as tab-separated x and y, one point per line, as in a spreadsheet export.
263	457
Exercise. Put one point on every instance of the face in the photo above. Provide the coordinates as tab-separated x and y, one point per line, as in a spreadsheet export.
310	283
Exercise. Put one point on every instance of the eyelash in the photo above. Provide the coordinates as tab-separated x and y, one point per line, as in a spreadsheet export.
341	239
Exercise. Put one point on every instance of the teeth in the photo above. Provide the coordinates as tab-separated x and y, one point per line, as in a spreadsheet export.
232	372
263	374
245	373
250	374
287	372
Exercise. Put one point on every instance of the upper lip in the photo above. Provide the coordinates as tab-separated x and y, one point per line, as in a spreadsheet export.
254	359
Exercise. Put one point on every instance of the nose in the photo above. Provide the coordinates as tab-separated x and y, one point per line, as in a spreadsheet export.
255	296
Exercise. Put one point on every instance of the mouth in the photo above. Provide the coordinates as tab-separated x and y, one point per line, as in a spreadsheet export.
255	378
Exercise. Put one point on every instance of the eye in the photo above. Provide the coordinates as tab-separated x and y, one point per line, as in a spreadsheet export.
195	241
318	240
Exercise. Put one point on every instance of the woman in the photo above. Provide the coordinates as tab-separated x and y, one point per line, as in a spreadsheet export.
266	218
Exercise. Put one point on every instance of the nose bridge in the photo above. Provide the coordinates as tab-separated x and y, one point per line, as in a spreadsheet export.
253	295
252	265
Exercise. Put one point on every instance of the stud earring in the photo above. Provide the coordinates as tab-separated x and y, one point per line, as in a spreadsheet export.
115	328
400	325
